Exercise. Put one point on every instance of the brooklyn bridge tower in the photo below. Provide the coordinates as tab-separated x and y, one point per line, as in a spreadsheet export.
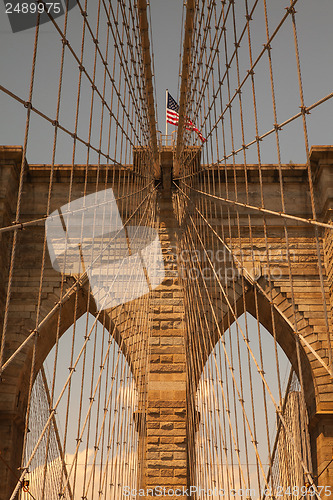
166	300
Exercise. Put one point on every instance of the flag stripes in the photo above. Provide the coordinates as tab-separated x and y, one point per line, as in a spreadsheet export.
172	113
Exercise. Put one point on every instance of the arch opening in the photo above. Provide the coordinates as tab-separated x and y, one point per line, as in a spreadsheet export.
91	445
251	421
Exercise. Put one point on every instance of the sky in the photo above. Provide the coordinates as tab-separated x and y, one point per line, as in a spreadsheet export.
15	66
166	46
315	39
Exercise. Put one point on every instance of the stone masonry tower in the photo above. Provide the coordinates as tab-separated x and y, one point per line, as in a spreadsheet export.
167	458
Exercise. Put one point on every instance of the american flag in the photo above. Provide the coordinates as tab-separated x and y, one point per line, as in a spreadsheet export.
172	111
173	117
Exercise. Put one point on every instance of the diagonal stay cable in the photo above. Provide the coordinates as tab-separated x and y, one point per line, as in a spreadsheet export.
79	283
251	70
83	69
53	122
252	282
263	210
22	225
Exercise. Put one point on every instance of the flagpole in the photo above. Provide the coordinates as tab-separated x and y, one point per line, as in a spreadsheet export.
166	114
